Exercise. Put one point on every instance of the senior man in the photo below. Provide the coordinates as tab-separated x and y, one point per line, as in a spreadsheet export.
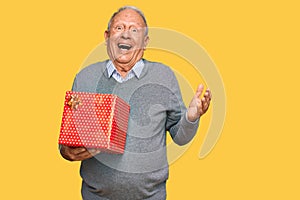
153	93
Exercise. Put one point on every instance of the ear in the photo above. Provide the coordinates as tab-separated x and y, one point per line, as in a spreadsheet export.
146	41
106	35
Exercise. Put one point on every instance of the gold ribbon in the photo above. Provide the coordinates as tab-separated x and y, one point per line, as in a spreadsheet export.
74	102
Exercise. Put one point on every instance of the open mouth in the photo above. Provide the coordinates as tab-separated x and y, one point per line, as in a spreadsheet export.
124	46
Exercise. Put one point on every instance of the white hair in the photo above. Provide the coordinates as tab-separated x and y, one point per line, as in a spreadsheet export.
131	8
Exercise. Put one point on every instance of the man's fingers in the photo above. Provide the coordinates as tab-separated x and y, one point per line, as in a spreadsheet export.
207	94
77	150
88	153
199	91
77	153
204	104
84	155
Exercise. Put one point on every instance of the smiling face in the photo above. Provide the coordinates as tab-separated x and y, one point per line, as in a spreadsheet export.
126	40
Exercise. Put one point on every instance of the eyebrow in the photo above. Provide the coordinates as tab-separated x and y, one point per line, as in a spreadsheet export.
125	24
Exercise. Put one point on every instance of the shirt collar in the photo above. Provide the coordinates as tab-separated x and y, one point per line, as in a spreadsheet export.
136	69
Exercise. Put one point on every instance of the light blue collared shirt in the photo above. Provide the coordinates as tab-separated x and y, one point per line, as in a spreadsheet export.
134	72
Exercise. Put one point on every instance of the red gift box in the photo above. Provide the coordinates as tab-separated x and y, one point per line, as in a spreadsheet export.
94	120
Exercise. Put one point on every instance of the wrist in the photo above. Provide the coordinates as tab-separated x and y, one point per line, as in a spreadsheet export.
190	119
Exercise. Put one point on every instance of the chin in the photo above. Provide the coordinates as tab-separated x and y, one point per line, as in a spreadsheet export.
124	59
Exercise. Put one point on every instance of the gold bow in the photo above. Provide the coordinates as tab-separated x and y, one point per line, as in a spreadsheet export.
74	102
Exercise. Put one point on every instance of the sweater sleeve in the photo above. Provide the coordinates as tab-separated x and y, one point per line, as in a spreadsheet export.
74	86
181	130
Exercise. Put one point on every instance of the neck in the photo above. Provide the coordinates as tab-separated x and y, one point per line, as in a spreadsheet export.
123	69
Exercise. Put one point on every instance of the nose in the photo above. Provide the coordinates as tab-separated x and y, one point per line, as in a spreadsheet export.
125	34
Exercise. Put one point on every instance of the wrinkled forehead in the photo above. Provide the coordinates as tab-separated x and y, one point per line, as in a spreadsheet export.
129	16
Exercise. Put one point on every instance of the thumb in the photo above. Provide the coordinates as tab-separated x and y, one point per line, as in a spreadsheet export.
199	90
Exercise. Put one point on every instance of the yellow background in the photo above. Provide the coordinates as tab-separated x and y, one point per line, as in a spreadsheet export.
255	45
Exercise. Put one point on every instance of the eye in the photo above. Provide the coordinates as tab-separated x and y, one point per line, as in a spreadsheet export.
119	28
134	30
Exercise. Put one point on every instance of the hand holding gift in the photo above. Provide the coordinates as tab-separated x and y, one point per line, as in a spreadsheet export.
77	153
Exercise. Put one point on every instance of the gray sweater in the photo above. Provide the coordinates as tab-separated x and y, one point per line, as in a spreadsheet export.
156	107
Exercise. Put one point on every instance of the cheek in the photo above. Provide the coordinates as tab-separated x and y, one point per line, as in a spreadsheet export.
139	41
114	37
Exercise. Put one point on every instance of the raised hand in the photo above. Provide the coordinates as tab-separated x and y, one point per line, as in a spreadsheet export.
198	105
